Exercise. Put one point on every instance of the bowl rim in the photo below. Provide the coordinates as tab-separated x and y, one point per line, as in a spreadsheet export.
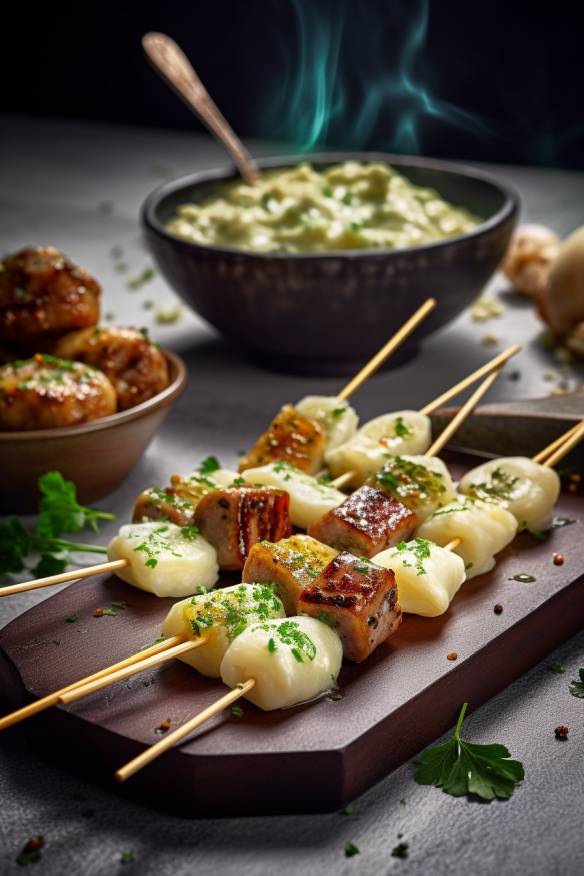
509	207
168	395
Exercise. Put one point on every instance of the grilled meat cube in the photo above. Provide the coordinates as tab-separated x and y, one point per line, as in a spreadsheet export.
290	437
367	522
291	565
358	599
236	518
177	502
167	504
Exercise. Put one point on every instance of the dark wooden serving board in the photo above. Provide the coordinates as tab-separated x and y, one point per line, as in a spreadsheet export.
311	758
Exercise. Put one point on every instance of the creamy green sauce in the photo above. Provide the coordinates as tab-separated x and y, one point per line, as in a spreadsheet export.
347	206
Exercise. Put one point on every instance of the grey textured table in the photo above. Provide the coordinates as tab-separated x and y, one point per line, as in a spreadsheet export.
79	187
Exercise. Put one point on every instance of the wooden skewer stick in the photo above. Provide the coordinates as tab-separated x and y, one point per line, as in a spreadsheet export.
53	699
488	368
554	445
388	348
575	438
160	747
72	575
125	672
453	544
462	414
470	379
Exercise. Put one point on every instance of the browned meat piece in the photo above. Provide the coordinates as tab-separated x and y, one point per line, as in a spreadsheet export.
292	438
135	366
291	564
42	295
359	599
367	522
167	504
236	518
44	392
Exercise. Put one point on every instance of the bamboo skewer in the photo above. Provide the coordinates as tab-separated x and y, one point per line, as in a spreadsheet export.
470	379
62	577
160	747
555	445
53	699
488	368
82	690
576	436
388	348
466	409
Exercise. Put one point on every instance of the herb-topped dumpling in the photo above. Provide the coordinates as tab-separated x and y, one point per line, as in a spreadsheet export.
217	618
292	660
401	432
428	576
527	489
338	419
483	528
165	559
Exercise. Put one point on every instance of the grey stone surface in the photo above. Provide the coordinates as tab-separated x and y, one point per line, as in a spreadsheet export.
79	187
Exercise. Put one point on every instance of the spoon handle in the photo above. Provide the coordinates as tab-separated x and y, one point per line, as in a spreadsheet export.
175	68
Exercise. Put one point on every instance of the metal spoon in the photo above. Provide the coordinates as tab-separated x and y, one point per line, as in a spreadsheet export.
174	67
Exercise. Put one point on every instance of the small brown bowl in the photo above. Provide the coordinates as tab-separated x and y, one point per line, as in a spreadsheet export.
96	456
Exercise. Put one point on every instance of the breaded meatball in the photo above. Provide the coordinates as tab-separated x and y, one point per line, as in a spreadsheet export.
44	392
42	295
135	366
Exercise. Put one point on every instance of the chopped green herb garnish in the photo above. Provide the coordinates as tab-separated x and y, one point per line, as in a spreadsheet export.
421	550
411	482
209	465
349	809
271	646
351	850
72	618
400	429
137	282
127	857
499	488
461	768
338	412
558	666
237	711
577	685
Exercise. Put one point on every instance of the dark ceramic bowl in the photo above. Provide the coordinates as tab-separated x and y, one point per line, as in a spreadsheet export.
96	456
328	312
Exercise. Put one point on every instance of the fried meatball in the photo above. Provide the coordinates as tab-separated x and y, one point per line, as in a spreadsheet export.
135	366
44	392
42	295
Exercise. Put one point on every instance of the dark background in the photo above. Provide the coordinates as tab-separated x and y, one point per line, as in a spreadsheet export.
499	81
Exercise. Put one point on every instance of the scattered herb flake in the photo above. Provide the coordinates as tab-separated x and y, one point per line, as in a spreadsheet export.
237	711
72	618
349	809
400	851
139	280
558	666
127	857
209	465
168	315
351	850
464	768
31	852
577	686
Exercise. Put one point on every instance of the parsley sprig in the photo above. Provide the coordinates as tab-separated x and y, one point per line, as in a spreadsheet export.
460	767
60	513
577	685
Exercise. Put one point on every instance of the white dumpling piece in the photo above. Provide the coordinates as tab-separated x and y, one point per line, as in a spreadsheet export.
485	529
291	661
527	489
219	617
428	576
401	432
421	483
309	499
337	418
165	559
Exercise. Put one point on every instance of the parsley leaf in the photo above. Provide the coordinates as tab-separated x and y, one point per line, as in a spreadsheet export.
461	768
209	465
59	509
577	687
